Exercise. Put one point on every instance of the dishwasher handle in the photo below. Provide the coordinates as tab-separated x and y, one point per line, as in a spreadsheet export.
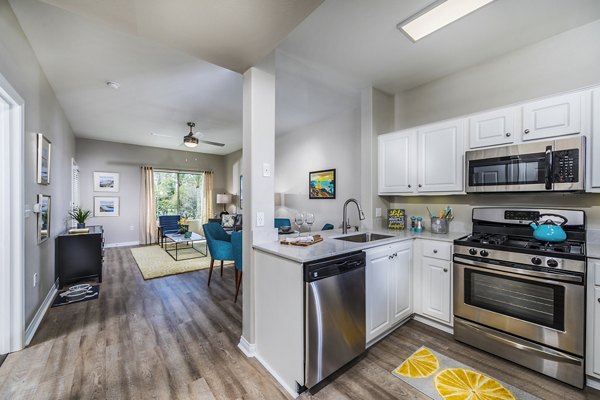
321	270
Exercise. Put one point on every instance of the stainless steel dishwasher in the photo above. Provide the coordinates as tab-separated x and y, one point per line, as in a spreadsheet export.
334	314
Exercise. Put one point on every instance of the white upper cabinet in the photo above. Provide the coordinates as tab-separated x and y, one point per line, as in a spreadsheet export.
440	163
593	166
555	116
492	128
395	162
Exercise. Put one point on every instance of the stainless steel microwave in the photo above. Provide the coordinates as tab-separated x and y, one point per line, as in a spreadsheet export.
549	165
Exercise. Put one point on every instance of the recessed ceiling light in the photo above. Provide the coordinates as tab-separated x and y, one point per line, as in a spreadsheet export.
438	15
112	84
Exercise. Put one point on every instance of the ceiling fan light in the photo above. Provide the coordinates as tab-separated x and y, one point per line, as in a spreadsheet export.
190	141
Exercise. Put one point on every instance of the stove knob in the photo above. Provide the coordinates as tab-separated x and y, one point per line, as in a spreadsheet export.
536	261
472	251
552	263
484	253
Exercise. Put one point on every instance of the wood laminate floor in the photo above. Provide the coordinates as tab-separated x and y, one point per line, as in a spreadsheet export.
176	338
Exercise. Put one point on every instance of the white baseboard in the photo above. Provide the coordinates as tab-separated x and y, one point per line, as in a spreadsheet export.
435	324
248	349
122	244
592	382
39	315
291	391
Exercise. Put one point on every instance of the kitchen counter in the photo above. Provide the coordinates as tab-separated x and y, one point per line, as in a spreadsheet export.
593	243
332	247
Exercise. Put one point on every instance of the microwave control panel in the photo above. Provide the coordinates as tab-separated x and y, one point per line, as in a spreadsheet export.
565	165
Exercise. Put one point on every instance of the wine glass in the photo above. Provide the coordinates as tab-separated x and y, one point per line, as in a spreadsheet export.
299	221
310	219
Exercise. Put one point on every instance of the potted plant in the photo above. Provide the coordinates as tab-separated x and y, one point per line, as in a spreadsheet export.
79	215
184	225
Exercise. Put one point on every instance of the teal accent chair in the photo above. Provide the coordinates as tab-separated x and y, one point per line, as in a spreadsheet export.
279	222
236	244
167	224
327	227
219	245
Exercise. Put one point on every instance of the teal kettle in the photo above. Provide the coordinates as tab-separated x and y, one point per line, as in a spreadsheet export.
549	231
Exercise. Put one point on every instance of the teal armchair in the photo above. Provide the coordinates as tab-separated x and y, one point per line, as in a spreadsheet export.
236	244
219	245
279	222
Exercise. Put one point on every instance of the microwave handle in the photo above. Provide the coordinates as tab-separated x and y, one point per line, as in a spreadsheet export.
548	178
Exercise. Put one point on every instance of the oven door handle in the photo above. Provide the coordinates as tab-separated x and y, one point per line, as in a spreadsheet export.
518	271
545	353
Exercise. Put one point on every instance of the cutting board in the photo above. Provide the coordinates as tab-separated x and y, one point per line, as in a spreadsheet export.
317	238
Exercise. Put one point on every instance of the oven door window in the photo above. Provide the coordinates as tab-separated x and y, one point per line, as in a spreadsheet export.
536	302
518	170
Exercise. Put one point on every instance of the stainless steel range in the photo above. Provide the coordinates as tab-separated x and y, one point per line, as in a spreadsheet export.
519	298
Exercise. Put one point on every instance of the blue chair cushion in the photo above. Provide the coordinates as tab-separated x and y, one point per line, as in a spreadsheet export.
327	227
168	223
282	222
218	242
236	244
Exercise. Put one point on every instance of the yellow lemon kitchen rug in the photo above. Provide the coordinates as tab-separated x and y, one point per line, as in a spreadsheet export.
443	378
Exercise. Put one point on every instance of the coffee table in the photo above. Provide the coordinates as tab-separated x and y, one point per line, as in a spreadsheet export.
183	243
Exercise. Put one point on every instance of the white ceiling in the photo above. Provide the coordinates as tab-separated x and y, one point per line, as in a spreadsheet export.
359	38
178	60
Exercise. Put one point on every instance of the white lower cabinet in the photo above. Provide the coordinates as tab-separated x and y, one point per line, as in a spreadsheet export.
593	319
435	289
388	287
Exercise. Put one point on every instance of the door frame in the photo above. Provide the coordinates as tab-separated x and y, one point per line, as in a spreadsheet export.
12	245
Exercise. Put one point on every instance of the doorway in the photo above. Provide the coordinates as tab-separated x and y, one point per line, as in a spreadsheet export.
12	324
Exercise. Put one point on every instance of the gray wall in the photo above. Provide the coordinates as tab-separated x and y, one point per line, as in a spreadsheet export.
126	159
331	143
20	67
233	170
567	61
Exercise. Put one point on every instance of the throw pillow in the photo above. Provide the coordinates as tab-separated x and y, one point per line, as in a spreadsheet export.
227	221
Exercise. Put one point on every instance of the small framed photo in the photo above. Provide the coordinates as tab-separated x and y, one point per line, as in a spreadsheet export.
321	184
44	149
43	216
106	206
106	181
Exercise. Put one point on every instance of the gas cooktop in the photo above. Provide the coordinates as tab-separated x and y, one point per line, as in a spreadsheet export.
508	242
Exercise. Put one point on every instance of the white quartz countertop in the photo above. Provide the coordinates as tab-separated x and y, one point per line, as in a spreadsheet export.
332	247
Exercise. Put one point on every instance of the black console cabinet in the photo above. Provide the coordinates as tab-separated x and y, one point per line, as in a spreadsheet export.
79	257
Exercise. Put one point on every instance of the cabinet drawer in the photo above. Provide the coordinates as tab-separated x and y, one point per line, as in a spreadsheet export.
441	250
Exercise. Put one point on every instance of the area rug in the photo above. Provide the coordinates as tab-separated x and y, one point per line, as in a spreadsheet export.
154	262
443	378
93	292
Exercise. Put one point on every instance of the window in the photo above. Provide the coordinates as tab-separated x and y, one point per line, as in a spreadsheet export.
178	193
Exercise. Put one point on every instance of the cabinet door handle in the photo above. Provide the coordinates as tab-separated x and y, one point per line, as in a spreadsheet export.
507	134
598	300
409	185
445	269
526	131
434	251
420	185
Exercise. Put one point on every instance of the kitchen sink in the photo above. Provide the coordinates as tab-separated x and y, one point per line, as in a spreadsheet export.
364	237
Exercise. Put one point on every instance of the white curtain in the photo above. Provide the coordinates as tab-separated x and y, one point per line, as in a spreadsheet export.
148	233
207	197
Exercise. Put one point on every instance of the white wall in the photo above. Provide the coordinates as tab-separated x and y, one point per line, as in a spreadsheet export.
233	170
20	68
330	143
567	61
126	159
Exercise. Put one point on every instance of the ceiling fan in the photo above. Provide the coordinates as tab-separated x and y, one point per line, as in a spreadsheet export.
190	140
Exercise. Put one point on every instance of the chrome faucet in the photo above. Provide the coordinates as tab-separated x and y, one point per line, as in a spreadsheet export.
361	215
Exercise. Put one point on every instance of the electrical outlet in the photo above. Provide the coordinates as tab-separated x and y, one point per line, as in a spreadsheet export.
260	218
35	279
377	212
266	169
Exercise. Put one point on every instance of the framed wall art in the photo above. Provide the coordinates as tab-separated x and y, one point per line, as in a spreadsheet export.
43	217
44	149
321	184
106	181
106	206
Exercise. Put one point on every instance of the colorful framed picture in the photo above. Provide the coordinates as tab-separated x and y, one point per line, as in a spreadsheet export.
106	181
43	217
106	206
321	184
44	149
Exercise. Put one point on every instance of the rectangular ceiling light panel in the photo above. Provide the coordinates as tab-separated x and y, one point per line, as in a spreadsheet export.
438	15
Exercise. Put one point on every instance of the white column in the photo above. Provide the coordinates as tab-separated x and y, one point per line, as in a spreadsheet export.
259	186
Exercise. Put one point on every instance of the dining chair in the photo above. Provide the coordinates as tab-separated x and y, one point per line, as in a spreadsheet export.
327	227
219	245
236	244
